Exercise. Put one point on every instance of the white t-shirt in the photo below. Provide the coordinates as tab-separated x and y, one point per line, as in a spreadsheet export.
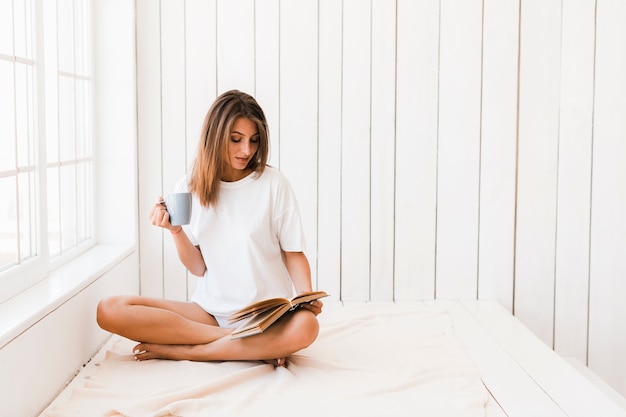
241	240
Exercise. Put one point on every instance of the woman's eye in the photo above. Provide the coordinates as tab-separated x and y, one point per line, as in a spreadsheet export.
236	140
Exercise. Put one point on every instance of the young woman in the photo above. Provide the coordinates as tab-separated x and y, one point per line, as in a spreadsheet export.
245	240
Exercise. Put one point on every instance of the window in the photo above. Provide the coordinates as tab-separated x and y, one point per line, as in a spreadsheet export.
46	157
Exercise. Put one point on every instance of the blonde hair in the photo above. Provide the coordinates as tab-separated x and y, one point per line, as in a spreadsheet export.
214	140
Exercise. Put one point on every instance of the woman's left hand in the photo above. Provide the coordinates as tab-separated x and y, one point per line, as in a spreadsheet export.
314	306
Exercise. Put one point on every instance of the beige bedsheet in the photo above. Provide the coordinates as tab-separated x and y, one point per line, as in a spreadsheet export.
369	360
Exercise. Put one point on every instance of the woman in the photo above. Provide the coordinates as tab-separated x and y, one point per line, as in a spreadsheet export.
245	240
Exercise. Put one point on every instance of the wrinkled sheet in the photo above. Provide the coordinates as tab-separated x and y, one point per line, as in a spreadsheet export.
370	359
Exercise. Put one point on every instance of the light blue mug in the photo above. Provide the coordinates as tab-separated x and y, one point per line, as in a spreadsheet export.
178	206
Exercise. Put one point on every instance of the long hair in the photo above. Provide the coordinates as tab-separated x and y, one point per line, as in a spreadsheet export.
214	140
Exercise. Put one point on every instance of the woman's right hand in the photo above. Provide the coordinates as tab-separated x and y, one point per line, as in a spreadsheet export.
159	215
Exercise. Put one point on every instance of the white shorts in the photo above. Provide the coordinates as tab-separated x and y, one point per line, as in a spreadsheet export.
222	321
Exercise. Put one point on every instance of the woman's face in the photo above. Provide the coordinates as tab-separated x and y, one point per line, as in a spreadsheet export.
242	146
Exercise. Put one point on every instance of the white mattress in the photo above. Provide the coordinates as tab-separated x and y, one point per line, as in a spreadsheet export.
369	360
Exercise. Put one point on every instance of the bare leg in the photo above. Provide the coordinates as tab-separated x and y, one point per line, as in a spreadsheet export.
158	321
291	333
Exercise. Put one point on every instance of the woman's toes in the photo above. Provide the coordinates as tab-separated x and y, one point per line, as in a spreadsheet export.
277	362
142	352
140	348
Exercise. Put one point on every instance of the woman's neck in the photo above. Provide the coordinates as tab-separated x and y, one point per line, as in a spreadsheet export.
232	175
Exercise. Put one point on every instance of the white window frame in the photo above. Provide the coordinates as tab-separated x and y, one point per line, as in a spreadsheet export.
44	40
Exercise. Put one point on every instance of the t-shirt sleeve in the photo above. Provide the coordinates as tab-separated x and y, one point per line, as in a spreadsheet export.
288	223
182	186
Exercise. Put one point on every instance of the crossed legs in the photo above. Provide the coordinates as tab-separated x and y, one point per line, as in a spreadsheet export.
184	331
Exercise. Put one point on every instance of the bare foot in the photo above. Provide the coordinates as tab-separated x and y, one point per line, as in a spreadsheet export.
145	351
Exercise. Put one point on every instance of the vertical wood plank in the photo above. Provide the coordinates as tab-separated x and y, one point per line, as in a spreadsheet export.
382	149
235	45
201	77
355	151
329	148
416	148
173	123
267	73
574	179
149	144
298	110
498	151
537	167
200	67
459	149
607	343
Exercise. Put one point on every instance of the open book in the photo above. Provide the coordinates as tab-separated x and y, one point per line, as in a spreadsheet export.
263	313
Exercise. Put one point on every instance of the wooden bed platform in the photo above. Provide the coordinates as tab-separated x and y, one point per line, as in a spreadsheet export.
522	375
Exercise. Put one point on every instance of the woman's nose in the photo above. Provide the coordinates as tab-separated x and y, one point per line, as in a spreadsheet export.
244	147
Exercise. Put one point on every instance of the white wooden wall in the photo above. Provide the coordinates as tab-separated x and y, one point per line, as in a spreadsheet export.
439	148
